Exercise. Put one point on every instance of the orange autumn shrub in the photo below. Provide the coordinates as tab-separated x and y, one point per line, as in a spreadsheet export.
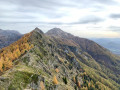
42	85
55	81
56	70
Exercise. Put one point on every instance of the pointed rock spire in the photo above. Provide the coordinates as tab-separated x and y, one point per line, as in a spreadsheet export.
38	30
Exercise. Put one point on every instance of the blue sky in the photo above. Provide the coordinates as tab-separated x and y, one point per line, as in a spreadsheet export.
84	18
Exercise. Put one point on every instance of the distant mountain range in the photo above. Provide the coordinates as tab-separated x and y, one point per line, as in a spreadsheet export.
113	44
58	60
8	36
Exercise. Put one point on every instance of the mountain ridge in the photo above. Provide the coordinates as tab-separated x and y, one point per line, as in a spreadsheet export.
58	63
8	36
95	51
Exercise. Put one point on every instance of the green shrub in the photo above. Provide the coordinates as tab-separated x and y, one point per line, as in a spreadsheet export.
65	80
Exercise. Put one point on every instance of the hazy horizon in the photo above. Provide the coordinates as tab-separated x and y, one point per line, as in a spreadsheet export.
88	18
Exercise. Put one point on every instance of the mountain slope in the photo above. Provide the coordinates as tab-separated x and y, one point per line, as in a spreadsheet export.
100	54
107	61
54	63
8	36
113	44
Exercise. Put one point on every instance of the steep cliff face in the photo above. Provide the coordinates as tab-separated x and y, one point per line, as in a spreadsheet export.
54	63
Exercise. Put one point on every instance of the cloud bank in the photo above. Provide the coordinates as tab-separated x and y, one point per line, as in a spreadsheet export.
80	17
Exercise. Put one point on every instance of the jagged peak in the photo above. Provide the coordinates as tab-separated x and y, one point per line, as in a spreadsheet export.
38	30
